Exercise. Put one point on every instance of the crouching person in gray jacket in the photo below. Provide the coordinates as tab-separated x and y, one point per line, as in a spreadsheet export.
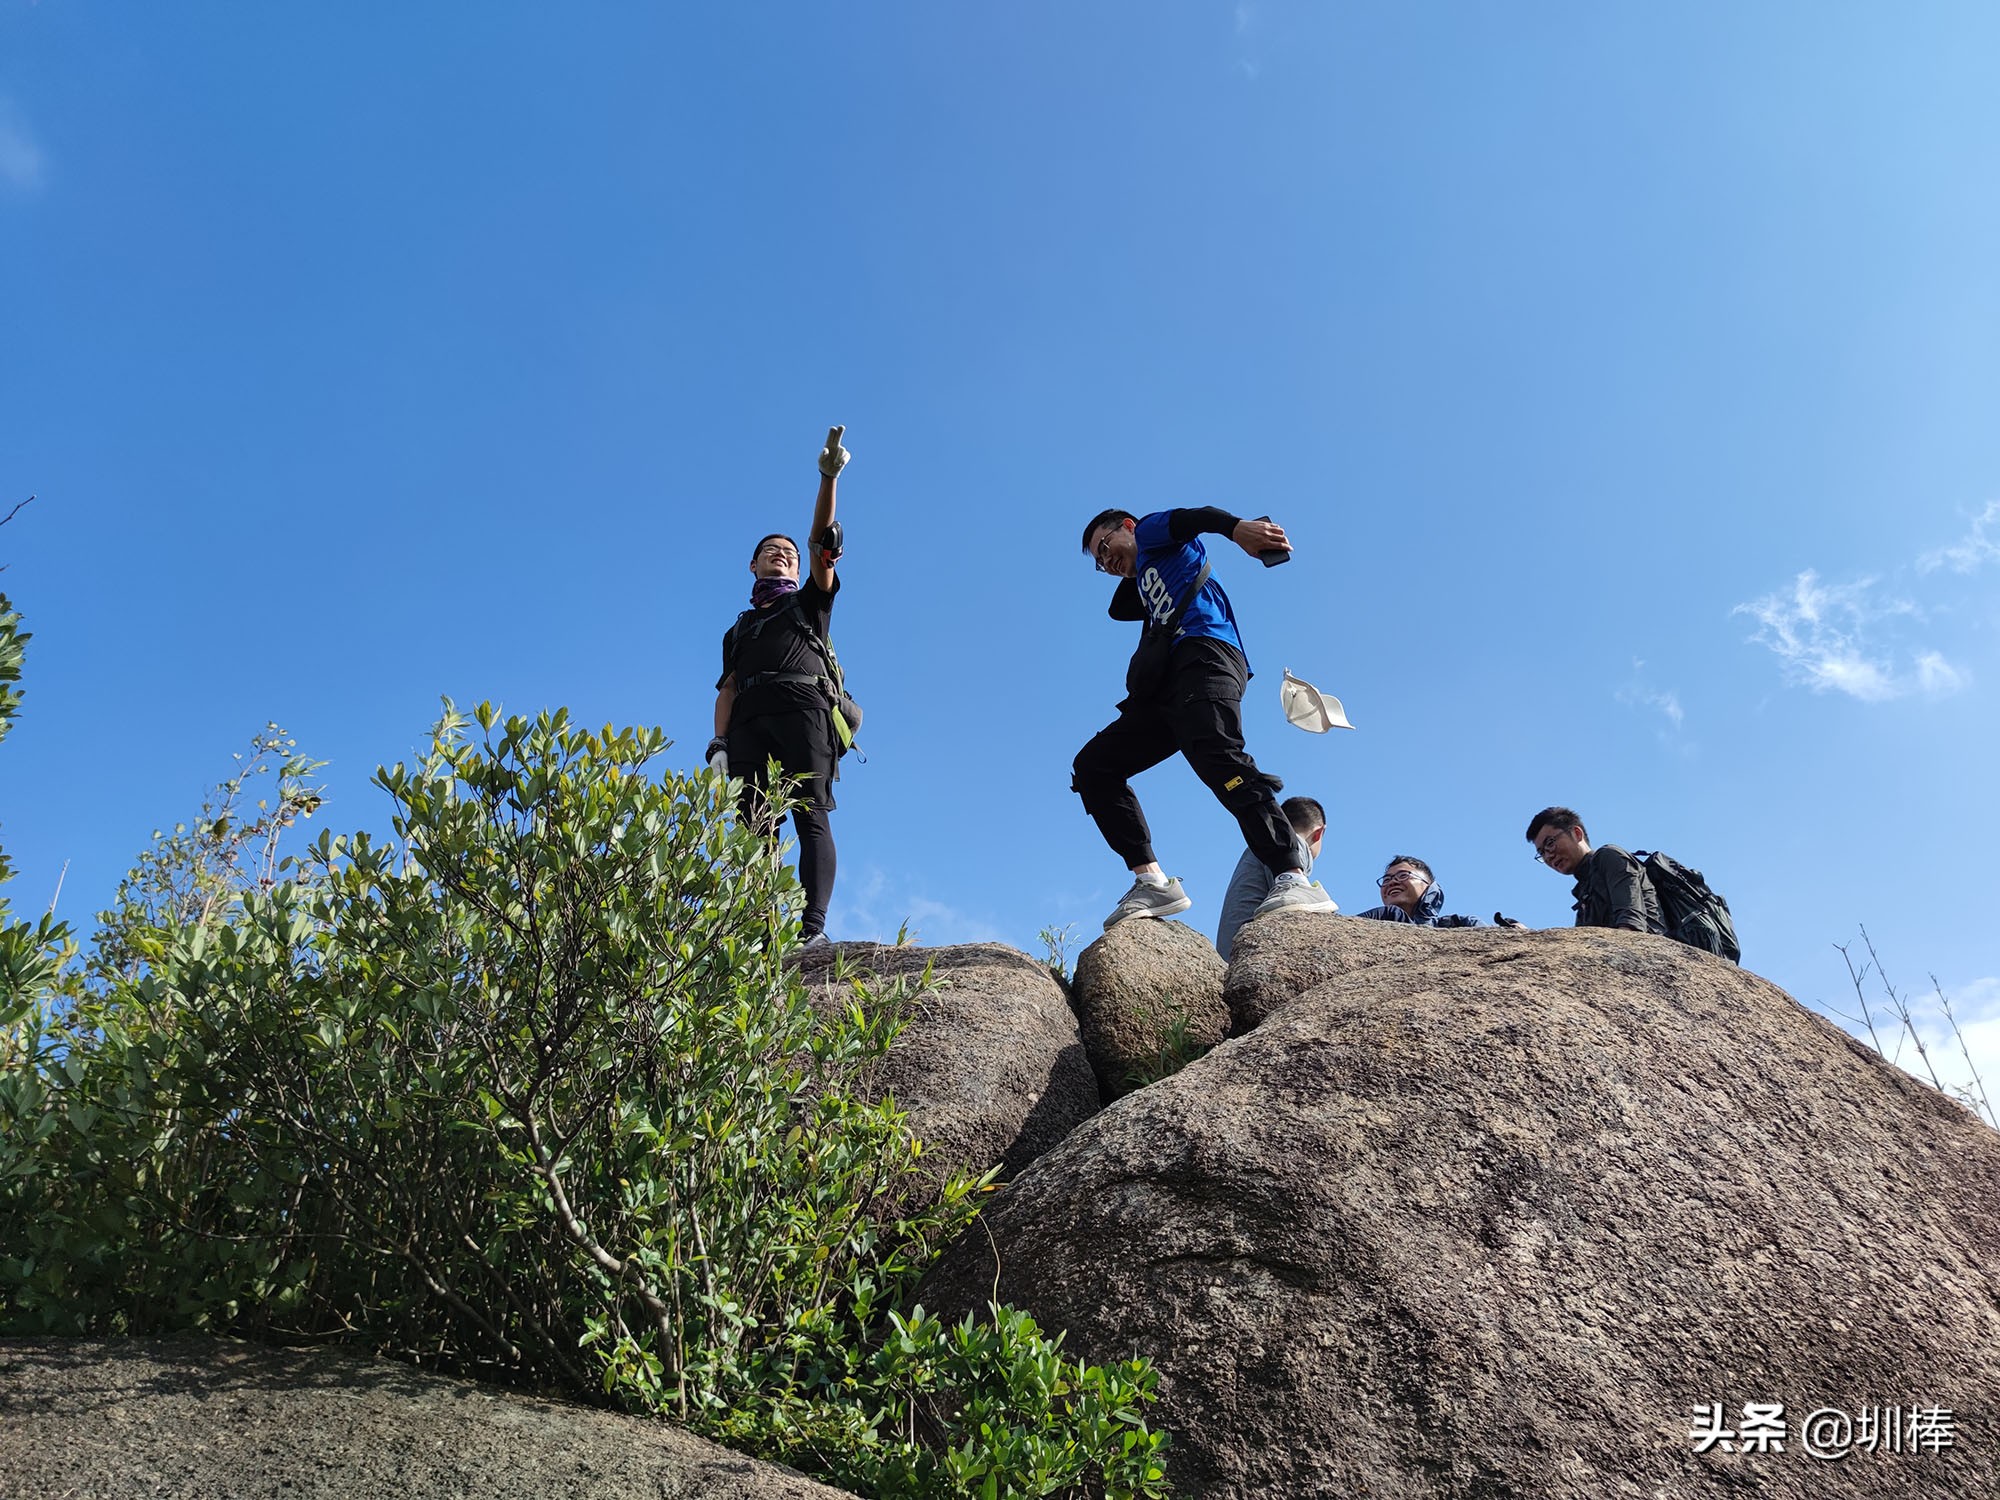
1252	880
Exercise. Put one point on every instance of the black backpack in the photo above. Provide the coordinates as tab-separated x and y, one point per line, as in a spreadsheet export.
1694	914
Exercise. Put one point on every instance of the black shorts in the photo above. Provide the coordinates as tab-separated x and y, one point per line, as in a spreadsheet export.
801	742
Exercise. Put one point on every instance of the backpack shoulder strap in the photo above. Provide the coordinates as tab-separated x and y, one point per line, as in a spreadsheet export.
752	623
790	610
818	642
1172	623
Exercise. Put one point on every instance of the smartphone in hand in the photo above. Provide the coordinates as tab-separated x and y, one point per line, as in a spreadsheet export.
1271	557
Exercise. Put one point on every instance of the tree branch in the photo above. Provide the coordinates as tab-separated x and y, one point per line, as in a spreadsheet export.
10	516
603	1258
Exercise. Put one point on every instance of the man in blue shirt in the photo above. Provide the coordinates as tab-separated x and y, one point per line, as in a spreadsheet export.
1184	692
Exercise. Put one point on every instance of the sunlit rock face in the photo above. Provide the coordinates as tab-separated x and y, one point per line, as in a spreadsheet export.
989	1066
1493	1213
1146	992
214	1419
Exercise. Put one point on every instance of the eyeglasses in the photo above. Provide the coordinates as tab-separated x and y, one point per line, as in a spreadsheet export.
1547	847
777	554
1395	877
1102	551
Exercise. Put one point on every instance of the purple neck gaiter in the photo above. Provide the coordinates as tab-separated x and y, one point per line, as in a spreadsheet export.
770	590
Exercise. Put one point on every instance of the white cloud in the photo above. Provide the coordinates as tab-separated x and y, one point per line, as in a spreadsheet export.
1829	638
1978	997
1967	1063
1245	16
1644	697
1968	553
882	906
1961	1049
21	158
1937	677
1639	693
1851	674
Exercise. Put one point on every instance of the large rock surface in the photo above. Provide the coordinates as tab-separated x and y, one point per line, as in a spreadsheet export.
1280	957
1134	985
1489	1214
218	1420
991	1067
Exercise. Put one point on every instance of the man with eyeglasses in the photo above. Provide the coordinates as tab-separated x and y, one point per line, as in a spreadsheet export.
1410	893
1612	889
1184	693
774	700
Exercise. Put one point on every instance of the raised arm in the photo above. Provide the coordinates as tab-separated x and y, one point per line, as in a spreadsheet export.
1254	537
825	553
1186	523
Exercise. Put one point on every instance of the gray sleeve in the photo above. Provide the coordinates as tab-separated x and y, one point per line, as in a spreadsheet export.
1248	886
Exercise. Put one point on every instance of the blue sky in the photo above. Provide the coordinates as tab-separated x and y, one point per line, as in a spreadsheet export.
1625	378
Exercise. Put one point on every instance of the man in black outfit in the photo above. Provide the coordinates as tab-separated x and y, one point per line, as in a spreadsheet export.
1612	888
775	699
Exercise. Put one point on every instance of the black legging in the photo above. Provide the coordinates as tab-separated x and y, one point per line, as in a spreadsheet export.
816	866
816	854
802	744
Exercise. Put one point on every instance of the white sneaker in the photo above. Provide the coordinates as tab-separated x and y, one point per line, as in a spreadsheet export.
819	943
1293	892
1145	900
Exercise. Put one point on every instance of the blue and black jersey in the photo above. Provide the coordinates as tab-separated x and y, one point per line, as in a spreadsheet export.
1170	555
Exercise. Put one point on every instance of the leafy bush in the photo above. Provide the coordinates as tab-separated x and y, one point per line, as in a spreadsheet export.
194	875
527	1091
29	951
977	1408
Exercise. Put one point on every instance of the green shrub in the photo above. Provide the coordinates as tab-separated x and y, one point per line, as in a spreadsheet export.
527	1091
196	873
30	952
982	1407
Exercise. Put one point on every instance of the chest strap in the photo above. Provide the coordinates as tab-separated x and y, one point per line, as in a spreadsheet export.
758	679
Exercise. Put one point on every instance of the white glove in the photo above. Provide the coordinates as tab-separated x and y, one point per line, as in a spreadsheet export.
833	457
719	763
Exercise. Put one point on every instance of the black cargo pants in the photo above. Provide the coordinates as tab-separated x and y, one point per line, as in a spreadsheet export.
1199	714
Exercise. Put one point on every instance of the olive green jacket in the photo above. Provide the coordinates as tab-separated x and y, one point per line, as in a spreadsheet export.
1612	891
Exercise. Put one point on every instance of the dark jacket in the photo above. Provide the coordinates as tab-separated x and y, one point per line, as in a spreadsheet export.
1612	891
1428	907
